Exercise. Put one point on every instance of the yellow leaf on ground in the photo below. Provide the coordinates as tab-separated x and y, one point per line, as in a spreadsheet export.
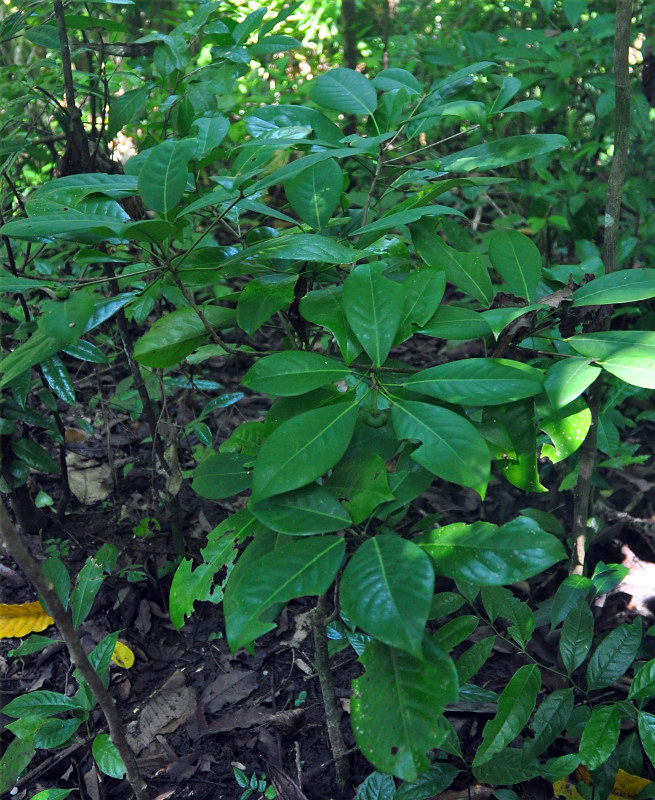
22	618
122	655
626	786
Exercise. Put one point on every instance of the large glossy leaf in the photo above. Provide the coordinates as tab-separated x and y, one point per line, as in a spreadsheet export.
630	355
324	307
106	756
625	286
77	227
567	429
66	320
261	298
423	292
303	512
302	449
16	756
643	683
600	736
502	152
89	581
221	475
315	192
451	446
517	260
567	379
172	337
386	590
396	707
614	655
163	175
452	322
40	703
361	483
298	247
487	555
345	90
515	705
467	271
373	306
397	218
518	419
302	567
212	128
478	381
293	372
646	725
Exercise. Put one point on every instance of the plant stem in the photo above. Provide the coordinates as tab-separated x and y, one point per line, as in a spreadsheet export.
332	715
13	545
610	259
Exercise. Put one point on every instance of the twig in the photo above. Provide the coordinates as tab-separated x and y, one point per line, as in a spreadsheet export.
610	258
13	545
332	716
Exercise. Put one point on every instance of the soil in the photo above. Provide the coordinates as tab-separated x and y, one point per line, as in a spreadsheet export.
261	713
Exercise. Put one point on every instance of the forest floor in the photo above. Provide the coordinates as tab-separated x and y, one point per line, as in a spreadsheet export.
195	711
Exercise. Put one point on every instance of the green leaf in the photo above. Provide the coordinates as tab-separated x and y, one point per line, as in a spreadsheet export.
189	586
15	283
303	512
519	420
172	337
164	174
15	758
455	631
643	683
577	636
630	355
567	379
40	703
614	655
52	794
550	719
515	705
567	429
517	260
106	756
572	589
502	152
324	307
467	271
302	449
378	786
486	555
451	322
396	706
315	192
34	455
361	483
423	290
451	446
212	128
77	227
221	475
500	602
59	379
398	218
431	783
646	725
600	736
261	298
625	286
86	588
373	306
473	659
386	589
298	247
66	321
478	381
390	79
345	90
293	372
304	566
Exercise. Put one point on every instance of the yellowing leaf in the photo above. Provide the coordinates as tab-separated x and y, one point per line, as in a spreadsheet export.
122	655
19	619
626	786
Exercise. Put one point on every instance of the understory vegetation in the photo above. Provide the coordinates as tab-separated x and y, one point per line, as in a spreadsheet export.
371	284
